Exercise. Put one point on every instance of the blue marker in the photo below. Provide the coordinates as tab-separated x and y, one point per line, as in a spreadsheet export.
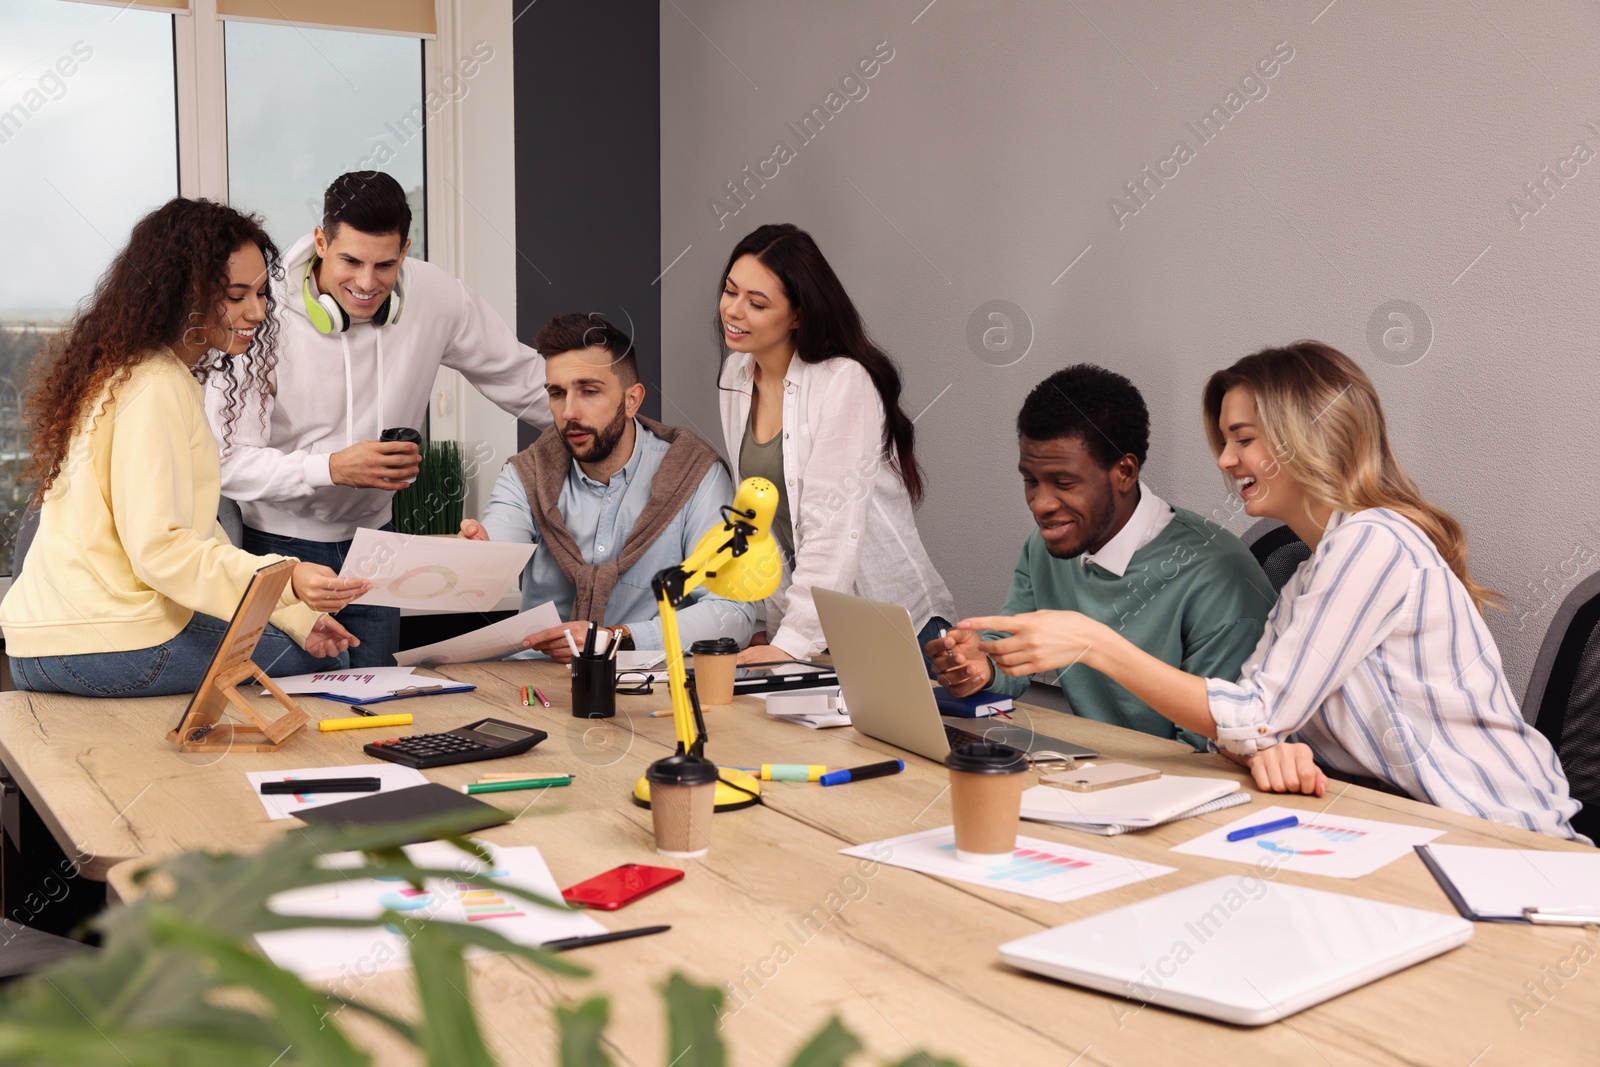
872	770
1264	828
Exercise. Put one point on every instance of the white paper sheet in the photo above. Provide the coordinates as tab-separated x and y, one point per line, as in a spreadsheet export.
1497	883
495	641
353	955
1041	869
362	682
434	573
1335	845
286	806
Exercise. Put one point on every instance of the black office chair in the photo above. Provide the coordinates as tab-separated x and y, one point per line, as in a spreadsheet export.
1278	549
1563	699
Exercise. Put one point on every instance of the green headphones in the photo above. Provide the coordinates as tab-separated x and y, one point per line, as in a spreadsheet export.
329	316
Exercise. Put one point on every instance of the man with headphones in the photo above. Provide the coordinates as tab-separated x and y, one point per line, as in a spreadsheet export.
362	332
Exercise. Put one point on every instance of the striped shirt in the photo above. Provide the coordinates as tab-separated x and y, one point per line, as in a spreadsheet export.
1376	657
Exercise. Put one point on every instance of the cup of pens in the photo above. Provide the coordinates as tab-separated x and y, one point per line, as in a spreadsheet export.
594	678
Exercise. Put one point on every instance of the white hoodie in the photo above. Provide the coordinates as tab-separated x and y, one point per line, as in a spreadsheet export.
333	390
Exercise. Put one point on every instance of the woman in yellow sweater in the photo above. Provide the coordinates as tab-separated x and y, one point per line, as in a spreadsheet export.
128	582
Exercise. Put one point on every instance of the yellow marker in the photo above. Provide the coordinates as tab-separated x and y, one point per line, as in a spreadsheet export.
363	723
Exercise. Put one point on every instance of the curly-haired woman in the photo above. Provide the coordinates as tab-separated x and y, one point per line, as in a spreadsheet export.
129	578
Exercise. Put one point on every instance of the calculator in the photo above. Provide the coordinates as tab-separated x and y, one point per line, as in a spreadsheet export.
484	739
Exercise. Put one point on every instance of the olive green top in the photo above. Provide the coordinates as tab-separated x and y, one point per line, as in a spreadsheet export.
765	460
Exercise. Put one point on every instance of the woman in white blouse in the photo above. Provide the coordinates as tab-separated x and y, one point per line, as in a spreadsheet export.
1376	657
811	403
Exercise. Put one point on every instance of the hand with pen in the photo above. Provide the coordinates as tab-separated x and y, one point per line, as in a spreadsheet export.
554	641
963	668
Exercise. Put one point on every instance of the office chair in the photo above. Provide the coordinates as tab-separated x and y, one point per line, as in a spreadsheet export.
1278	549
1563	699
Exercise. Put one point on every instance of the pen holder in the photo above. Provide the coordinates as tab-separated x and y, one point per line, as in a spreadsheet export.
594	687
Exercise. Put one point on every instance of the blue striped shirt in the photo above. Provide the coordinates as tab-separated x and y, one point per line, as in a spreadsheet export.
1376	657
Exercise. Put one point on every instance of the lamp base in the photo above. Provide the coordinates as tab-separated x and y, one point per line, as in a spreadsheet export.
743	792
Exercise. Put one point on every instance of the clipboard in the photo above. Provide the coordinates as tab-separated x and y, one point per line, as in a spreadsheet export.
1493	885
400	694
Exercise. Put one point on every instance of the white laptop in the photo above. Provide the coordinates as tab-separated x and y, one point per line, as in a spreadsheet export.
886	686
1241	949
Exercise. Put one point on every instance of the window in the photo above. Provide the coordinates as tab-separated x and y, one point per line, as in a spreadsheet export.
306	105
88	142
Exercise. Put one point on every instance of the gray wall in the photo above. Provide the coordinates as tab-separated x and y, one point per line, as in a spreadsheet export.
1380	165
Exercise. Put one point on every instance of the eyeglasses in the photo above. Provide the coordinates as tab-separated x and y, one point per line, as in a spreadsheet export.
641	687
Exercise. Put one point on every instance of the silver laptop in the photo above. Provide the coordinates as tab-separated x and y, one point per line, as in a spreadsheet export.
886	686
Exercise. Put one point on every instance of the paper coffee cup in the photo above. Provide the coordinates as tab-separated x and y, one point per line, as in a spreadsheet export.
683	797
714	662
986	783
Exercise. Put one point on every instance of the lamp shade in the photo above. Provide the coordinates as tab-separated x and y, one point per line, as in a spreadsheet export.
755	573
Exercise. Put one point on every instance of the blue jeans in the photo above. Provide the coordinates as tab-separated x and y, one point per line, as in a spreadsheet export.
377	628
176	666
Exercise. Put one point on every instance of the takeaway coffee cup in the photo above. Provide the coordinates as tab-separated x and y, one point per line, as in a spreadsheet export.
713	669
986	784
683	795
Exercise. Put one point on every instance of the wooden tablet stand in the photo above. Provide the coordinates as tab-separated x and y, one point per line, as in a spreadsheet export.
201	729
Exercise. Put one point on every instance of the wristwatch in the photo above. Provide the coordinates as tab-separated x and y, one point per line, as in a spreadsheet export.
623	638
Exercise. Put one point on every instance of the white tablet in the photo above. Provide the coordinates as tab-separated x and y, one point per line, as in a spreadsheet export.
1240	949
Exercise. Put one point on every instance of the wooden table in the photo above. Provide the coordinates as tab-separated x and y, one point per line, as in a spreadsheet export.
793	930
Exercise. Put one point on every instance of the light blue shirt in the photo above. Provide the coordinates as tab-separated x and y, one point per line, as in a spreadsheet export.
600	516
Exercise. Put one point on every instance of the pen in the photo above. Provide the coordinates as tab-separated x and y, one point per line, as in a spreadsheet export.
543	700
666	713
564	943
527	700
588	641
522	776
572	644
856	774
792	772
1264	828
1578	916
321	785
361	724
509	787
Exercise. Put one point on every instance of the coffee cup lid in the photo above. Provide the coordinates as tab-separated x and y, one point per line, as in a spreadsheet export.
980	757
681	770
714	646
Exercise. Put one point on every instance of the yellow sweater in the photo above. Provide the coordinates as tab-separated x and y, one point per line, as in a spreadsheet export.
128	547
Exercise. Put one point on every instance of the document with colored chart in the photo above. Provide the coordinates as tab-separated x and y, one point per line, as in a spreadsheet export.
1335	845
317	954
1040	869
434	573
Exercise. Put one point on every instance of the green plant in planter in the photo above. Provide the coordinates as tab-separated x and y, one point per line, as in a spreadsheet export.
149	996
432	504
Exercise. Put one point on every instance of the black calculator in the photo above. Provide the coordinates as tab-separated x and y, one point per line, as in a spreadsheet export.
484	739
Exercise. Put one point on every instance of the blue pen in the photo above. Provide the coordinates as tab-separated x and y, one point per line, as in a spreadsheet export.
1264	828
856	774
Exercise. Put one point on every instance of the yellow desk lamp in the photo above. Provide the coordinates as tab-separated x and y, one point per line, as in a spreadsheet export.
738	560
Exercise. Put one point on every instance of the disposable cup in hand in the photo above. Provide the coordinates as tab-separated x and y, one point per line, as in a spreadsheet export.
986	783
683	796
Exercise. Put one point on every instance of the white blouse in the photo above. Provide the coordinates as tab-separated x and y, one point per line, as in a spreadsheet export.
854	528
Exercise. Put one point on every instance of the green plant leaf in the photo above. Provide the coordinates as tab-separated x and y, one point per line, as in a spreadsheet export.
692	1010
832	1045
583	1033
449	1035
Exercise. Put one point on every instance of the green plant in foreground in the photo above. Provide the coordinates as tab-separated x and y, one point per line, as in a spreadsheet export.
150	995
433	503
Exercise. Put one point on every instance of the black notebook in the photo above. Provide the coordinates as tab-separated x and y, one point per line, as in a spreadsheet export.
405	805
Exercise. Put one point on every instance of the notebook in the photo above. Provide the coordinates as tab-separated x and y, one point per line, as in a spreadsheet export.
1138	804
405	805
1494	885
1239	948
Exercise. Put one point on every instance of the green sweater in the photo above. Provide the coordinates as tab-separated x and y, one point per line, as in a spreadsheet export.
1193	597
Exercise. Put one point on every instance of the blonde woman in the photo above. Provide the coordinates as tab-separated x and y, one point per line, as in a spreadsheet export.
1376	656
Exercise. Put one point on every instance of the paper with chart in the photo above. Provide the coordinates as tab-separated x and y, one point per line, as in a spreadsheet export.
434	573
1041	869
1335	845
359	683
333	954
390	776
495	641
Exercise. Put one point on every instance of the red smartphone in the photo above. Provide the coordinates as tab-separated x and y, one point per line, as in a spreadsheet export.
619	886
